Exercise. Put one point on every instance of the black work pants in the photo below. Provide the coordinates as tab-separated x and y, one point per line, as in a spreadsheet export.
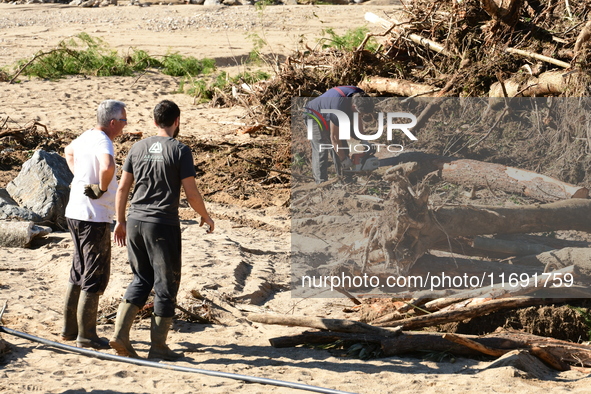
154	252
91	265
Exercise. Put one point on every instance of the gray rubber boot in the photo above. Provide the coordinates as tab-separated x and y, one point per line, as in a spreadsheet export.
87	310
158	334
70	329
120	341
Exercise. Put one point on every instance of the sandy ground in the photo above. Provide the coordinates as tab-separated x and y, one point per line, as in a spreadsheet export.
241	268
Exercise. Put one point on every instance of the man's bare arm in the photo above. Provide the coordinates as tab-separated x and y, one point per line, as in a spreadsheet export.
121	197
196	202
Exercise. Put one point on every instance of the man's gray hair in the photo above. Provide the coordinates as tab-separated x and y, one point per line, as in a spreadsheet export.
108	110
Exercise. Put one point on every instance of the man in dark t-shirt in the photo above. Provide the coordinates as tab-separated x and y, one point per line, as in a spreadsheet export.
325	128
159	166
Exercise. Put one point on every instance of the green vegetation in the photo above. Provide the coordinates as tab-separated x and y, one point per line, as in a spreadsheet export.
84	54
204	90
177	65
255	55
349	41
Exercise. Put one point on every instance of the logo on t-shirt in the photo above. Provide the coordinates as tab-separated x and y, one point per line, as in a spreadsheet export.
156	148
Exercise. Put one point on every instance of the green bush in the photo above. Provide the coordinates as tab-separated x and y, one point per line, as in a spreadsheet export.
84	54
349	41
177	65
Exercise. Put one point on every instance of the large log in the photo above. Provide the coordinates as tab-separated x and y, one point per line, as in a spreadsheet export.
579	257
550	83
482	309
339	325
561	351
489	175
409	228
399	87
513	180
322	337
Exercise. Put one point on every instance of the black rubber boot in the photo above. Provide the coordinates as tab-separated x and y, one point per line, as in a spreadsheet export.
87	310
70	329
120	342
158	334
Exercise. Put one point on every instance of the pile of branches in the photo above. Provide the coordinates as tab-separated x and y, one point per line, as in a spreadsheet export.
16	142
447	48
492	47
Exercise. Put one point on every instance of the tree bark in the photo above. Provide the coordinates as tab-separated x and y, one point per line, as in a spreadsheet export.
553	351
409	228
322	337
442	317
513	180
339	325
399	87
550	83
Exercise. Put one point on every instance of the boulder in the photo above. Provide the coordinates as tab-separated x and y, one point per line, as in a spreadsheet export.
20	234
212	2
9	209
43	186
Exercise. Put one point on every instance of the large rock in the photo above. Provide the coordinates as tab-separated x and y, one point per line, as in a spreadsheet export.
43	186
9	209
20	234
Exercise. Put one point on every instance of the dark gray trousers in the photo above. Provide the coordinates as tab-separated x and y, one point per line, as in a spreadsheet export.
91	264
154	252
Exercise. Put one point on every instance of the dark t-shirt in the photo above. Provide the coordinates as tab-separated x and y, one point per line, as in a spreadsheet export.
158	165
339	99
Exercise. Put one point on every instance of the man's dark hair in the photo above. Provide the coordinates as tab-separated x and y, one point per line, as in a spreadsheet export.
363	103
165	113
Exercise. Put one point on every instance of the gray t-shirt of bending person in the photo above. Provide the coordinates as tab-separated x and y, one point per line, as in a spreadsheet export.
158	165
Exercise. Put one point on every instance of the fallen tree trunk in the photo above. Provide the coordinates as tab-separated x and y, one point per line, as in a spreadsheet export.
563	351
513	248
399	87
322	337
549	83
513	180
339	325
579	257
442	317
408	228
498	291
489	175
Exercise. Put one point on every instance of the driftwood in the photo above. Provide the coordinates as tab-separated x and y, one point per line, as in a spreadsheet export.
487	175
409	228
509	179
546	84
322	337
580	258
393	25
399	87
339	325
536	56
553	352
442	317
508	289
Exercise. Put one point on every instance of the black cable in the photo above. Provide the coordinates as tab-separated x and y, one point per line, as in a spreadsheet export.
112	357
